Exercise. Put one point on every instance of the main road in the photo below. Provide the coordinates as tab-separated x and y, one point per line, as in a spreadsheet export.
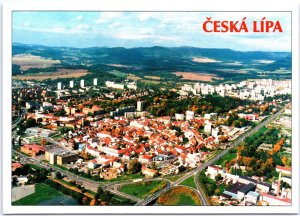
87	183
233	144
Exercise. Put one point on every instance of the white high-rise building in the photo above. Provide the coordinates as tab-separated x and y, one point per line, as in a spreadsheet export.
95	81
59	86
71	84
82	83
140	106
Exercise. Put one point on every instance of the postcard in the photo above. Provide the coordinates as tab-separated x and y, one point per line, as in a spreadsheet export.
150	110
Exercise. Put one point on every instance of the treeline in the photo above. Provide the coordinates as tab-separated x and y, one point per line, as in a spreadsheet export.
35	175
79	197
207	104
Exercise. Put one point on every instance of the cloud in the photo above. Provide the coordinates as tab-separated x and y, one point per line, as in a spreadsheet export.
144	16
79	18
115	24
100	21
83	27
140	36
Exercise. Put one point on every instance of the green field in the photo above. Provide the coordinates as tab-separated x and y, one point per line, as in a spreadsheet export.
225	159
189	182
42	193
118	74
179	196
143	189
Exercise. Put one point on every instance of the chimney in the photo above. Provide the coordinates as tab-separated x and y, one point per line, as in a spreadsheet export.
278	184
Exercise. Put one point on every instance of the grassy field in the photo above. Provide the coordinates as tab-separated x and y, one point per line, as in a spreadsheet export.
179	196
225	159
151	81
143	189
189	182
118	73
43	192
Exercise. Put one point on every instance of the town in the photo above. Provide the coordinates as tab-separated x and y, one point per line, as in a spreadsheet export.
235	138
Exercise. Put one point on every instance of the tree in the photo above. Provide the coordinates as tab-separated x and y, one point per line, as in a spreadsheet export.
134	166
58	175
30	123
99	193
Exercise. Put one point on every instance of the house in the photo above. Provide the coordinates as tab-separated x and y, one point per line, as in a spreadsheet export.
284	170
213	171
263	187
110	173
15	166
252	197
274	200
33	149
92	164
22	180
149	172
145	158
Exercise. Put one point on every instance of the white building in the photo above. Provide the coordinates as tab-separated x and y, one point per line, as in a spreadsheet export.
59	86
207	128
71	84
189	115
82	83
252	197
179	117
140	106
95	81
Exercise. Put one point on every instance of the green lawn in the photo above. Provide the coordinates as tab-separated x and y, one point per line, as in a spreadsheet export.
33	166
184	200
143	189
189	182
225	159
43	192
179	196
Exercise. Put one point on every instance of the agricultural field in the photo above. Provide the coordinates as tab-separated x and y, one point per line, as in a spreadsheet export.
179	196
205	60
27	61
152	77
197	76
60	73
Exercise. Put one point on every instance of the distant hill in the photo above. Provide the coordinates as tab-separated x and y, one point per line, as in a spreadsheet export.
155	60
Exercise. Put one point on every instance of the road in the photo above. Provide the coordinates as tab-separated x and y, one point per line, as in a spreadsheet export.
87	183
211	161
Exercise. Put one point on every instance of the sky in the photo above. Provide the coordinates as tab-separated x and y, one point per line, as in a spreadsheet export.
146	29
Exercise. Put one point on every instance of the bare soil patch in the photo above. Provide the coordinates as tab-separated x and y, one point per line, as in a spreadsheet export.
60	73
204	60
197	76
26	61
